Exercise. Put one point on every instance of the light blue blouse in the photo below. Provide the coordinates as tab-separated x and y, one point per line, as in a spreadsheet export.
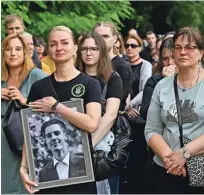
162	114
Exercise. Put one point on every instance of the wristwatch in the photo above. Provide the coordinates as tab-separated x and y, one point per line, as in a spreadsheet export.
54	106
186	154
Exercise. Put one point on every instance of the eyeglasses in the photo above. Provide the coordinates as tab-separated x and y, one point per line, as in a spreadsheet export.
187	48
92	50
131	45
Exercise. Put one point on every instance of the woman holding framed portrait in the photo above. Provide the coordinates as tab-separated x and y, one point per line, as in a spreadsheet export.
66	84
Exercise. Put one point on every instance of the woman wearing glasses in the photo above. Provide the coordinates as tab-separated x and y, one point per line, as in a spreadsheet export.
162	130
93	60
141	71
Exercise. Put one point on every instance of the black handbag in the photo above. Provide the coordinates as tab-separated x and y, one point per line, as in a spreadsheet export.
108	164
195	164
12	124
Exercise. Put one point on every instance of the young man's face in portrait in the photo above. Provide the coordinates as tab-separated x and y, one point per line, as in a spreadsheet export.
55	137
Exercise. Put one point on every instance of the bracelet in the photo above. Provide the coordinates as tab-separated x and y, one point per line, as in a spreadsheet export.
24	167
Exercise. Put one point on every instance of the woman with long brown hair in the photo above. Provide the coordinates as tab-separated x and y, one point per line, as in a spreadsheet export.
16	64
93	59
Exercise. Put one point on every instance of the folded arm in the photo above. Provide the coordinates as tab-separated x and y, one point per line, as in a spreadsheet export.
107	121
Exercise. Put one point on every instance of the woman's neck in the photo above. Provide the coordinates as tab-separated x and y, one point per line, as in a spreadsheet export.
111	53
91	70
135	60
40	56
14	72
187	74
65	71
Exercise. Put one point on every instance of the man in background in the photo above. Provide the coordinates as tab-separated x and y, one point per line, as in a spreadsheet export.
14	25
29	41
147	51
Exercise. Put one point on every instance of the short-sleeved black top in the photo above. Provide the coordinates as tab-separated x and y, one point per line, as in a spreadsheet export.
83	87
80	87
114	86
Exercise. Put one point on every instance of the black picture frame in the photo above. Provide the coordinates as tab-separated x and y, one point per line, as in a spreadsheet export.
42	167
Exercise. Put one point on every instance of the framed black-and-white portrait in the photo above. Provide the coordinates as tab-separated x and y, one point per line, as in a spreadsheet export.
58	152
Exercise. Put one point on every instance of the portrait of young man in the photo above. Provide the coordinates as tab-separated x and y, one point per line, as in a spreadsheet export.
64	164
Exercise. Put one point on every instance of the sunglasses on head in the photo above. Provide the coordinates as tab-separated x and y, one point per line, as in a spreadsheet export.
131	45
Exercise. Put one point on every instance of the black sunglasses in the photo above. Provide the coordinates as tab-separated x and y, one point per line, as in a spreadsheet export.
131	45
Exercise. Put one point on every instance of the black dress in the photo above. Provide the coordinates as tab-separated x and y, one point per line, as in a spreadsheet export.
66	92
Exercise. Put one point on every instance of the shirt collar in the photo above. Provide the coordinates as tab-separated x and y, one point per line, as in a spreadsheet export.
65	160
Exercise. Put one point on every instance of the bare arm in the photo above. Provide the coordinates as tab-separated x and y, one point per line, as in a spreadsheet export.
106	122
87	122
196	146
159	146
24	173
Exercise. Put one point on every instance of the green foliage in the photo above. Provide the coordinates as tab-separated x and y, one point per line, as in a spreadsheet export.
173	14
187	14
80	16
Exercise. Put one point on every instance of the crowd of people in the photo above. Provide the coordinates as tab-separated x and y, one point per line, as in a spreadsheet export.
139	78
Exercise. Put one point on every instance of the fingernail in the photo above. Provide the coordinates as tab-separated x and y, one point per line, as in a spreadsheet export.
36	185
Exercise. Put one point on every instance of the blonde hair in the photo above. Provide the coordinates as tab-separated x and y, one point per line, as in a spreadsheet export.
12	18
27	64
61	28
107	24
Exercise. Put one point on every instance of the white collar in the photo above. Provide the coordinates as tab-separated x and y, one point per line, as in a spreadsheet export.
65	160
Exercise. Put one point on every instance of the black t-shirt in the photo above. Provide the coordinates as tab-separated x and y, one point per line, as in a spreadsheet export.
89	90
80	87
114	86
122	67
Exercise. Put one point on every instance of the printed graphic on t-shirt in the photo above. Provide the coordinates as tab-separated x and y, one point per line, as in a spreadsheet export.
187	111
78	90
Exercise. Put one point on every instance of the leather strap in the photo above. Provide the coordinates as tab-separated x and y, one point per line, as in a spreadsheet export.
178	106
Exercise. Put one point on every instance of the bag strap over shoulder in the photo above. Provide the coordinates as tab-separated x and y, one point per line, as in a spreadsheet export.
106	85
178	107
103	95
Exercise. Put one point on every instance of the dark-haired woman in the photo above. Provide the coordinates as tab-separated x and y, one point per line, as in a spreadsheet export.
166	67
93	59
162	131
